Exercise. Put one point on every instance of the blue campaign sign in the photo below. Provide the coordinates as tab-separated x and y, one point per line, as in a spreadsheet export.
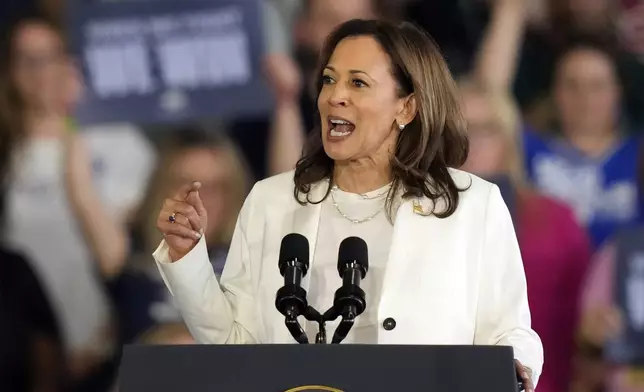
158	61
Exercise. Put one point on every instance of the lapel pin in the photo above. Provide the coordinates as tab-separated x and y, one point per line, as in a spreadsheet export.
418	209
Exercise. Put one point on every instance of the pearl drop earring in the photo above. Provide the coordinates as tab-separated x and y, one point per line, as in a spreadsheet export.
401	126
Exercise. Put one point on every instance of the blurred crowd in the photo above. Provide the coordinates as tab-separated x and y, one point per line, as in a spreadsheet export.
553	92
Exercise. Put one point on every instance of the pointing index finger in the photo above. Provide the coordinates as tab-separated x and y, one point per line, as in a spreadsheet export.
184	190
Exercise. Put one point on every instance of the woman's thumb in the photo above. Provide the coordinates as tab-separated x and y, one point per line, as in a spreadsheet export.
194	200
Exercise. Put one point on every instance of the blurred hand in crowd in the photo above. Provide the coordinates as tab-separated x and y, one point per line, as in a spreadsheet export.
78	179
78	168
283	76
601	324
79	162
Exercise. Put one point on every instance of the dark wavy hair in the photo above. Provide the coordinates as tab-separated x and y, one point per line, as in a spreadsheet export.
435	140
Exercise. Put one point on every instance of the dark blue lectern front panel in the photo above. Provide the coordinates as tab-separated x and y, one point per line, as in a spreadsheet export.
292	368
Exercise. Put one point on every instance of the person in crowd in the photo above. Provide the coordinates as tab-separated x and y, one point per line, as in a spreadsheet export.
554	248
602	321
603	318
31	350
566	22
378	166
590	164
38	91
591	161
134	281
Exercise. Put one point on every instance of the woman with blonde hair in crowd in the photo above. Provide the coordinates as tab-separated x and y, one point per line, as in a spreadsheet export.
212	159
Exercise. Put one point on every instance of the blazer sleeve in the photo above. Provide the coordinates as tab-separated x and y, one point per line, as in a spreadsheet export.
503	315
214	312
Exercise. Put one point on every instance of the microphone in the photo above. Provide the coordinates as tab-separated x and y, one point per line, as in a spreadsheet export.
349	300
291	298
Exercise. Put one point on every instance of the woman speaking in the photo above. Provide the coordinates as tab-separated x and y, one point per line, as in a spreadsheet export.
444	264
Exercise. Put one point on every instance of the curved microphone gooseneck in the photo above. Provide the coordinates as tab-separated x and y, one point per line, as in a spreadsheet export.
349	301
291	298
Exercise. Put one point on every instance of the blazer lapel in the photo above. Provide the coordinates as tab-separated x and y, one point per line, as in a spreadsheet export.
411	233
397	252
306	220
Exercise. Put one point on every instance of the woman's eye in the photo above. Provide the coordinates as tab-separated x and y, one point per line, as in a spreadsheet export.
326	79
359	83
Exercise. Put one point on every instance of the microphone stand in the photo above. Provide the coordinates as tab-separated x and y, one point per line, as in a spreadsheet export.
320	338
313	315
294	326
341	332
348	319
296	330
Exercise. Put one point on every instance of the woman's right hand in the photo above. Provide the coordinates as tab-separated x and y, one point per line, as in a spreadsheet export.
188	223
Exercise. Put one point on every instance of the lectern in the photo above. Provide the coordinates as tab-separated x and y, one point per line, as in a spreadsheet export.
331	368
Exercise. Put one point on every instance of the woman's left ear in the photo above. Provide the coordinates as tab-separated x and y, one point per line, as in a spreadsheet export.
408	111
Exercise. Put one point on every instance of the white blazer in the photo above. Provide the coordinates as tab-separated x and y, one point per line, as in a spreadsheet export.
454	281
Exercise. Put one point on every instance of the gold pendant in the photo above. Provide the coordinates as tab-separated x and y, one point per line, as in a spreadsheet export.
418	209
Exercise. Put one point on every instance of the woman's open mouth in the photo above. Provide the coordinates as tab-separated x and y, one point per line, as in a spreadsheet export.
339	128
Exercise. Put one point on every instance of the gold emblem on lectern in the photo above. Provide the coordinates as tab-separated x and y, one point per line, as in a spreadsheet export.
313	388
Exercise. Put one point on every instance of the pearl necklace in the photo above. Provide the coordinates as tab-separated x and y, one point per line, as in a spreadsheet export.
364	196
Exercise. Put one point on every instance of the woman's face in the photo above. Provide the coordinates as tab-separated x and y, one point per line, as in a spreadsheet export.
359	102
40	69
587	92
487	142
211	168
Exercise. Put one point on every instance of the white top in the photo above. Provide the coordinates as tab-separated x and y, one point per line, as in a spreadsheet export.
325	279
40	223
447	281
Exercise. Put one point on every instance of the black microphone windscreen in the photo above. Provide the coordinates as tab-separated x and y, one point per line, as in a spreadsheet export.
353	249
294	247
